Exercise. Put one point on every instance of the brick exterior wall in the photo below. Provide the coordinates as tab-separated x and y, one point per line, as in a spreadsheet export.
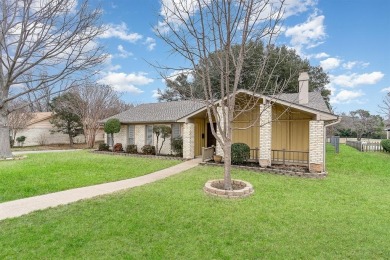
188	141
42	136
166	149
121	137
140	138
265	135
316	146
218	148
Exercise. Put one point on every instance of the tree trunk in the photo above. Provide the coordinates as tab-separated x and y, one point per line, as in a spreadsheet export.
227	179
70	140
91	137
5	147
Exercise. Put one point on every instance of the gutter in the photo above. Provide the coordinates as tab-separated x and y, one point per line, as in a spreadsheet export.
325	126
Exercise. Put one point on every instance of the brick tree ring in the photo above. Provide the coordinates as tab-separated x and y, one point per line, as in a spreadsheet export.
241	189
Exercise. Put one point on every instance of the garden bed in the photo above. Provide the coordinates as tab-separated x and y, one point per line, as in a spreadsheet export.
166	157
289	170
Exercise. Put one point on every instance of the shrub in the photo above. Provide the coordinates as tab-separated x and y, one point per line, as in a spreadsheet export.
240	153
118	148
386	145
148	149
21	139
177	146
131	148
103	147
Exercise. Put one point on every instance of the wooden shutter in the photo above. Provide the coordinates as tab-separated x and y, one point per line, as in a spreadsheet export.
149	134
131	134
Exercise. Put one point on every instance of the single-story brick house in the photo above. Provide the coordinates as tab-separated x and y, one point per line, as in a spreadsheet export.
296	132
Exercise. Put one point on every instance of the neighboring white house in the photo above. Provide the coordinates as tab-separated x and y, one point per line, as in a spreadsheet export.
38	132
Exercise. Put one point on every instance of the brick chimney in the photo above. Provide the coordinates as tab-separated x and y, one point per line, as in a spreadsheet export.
303	87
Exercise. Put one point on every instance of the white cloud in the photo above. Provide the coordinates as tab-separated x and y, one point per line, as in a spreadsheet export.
354	79
126	82
120	31
293	7
123	53
151	43
351	64
108	64
155	94
330	63
308	34
175	11
346	96
385	89
321	55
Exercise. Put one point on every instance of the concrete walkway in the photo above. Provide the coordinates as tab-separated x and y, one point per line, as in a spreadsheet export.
21	207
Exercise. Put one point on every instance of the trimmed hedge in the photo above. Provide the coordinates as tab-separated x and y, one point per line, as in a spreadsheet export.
240	153
131	148
386	145
103	147
177	145
148	149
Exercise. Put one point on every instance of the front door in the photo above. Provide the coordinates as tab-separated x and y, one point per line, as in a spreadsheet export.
210	137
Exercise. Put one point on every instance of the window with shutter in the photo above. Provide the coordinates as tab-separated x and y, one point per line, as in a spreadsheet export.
149	135
131	134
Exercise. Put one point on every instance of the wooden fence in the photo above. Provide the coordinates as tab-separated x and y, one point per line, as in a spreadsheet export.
366	146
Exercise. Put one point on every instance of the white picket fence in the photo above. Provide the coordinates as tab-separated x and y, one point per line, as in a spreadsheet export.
366	146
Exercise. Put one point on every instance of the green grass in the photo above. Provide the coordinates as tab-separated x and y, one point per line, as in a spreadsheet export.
345	216
50	172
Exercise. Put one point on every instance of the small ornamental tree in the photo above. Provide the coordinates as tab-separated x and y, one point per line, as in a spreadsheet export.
162	131
112	126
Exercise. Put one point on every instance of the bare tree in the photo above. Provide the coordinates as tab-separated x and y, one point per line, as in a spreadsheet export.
44	44
216	39
94	102
18	119
385	108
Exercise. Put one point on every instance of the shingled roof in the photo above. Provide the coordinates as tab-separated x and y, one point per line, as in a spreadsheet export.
176	110
159	112
316	101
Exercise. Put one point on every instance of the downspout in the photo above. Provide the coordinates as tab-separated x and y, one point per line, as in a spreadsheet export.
325	126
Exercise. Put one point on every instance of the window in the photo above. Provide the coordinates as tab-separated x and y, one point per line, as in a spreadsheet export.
149	135
175	131
131	134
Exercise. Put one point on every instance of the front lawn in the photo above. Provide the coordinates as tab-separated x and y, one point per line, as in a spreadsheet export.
50	172
345	216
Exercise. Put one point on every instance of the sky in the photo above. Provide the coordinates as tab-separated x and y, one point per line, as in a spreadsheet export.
350	39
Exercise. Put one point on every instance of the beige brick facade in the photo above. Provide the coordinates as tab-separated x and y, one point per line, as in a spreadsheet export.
188	141
265	135
316	146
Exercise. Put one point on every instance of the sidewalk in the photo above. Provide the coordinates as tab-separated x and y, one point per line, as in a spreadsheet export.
24	206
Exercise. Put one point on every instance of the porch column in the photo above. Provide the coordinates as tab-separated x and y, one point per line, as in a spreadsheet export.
188	141
265	135
218	148
316	146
